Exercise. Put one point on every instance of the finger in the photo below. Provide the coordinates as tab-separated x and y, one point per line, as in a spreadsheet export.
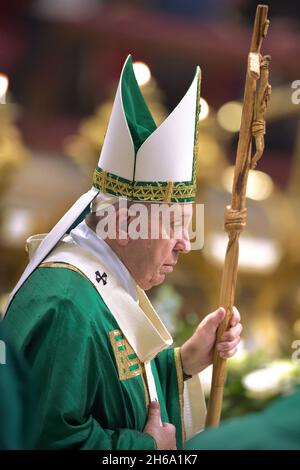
154	412
214	319
236	317
169	426
233	333
170	429
228	354
228	346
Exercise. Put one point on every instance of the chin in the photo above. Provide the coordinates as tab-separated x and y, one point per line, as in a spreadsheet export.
158	280
153	282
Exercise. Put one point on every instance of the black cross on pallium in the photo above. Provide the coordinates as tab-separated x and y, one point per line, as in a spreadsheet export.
101	277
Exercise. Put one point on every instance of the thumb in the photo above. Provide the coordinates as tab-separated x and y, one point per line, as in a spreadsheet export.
154	413
214	319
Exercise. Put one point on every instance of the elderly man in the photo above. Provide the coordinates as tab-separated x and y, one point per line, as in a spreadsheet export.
106	376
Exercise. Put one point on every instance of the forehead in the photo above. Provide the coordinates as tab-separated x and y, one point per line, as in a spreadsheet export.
187	208
170	211
183	208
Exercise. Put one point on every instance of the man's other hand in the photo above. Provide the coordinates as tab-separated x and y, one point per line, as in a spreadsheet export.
163	433
197	352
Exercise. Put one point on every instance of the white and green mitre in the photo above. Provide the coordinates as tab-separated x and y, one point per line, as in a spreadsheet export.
143	162
139	161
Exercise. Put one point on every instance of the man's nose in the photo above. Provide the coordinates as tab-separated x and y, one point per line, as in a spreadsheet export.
183	243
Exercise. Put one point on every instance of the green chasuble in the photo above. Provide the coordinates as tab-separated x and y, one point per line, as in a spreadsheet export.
91	390
275	428
17	411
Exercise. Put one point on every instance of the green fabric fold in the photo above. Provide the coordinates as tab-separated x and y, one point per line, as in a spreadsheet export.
140	121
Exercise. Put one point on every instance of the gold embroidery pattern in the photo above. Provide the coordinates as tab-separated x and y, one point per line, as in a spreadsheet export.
128	363
180	389
147	397
170	192
196	142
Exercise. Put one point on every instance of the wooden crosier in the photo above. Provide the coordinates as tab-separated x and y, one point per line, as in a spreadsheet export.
252	127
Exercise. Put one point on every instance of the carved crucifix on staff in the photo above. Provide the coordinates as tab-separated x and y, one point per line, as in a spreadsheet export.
256	99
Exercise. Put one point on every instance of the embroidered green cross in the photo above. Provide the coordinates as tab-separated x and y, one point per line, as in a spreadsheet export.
127	361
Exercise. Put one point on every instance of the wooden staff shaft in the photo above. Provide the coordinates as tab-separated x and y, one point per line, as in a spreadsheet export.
238	203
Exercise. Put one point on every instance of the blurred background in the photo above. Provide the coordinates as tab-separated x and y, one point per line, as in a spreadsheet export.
60	61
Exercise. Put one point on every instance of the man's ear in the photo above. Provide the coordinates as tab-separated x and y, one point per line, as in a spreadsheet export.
91	220
122	227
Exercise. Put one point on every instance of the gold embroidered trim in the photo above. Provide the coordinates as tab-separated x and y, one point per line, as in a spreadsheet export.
147	398
102	180
127	361
50	264
179	373
196	142
170	192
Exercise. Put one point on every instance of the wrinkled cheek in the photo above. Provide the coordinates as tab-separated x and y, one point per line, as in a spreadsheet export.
156	274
